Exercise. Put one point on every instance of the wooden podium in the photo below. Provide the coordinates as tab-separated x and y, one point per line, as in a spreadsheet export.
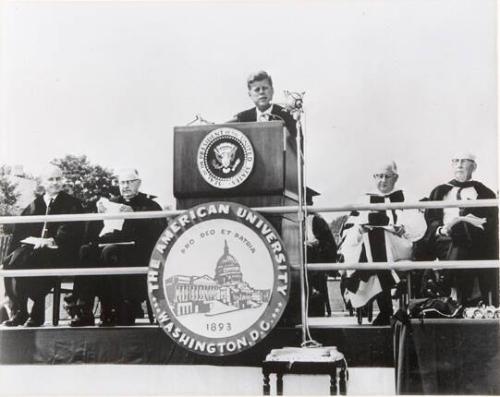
273	182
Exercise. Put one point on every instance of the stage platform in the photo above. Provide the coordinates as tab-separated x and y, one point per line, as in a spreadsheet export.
363	345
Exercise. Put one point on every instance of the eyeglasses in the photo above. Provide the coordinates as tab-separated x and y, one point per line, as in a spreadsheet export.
457	161
54	179
129	182
382	176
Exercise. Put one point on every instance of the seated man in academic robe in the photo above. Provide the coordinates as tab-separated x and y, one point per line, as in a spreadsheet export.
464	233
379	236
260	91
119	244
42	245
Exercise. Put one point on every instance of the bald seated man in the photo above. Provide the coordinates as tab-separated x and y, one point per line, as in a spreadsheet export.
464	233
126	246
55	244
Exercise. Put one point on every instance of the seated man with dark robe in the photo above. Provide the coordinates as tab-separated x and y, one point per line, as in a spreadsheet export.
379	236
464	233
42	245
119	244
260	91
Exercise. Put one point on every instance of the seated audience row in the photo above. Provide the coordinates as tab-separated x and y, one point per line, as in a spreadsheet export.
442	234
60	244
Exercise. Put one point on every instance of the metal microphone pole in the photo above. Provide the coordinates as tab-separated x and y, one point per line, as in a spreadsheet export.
302	216
296	109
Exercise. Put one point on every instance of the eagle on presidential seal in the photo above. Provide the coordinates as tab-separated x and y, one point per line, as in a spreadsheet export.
225	157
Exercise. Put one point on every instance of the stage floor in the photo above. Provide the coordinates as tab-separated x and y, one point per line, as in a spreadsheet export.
149	380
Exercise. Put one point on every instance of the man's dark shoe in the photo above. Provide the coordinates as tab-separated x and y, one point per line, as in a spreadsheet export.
83	316
33	322
382	319
126	314
108	319
137	309
82	321
19	318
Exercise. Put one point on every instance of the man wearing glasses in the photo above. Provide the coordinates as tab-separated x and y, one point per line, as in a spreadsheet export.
120	244
378	236
464	234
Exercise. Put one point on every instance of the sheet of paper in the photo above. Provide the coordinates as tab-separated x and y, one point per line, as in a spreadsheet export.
474	220
36	240
110	224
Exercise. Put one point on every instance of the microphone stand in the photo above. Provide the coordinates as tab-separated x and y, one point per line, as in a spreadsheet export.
309	348
296	109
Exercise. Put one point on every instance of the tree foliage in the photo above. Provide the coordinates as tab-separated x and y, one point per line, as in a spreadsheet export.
8	193
85	180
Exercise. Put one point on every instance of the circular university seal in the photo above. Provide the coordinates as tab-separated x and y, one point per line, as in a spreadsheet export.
225	158
218	279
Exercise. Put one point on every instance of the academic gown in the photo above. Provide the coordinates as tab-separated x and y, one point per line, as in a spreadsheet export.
466	242
143	233
369	237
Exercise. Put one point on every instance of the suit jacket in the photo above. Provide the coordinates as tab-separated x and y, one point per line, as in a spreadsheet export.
278	111
67	235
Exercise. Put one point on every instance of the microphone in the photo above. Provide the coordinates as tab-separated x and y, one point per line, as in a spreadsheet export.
294	100
198	119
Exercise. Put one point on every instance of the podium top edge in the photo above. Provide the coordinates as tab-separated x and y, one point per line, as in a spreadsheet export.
255	124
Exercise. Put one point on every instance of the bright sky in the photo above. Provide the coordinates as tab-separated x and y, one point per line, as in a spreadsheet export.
412	81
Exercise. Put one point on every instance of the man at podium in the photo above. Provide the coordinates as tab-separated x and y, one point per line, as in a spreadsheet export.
260	91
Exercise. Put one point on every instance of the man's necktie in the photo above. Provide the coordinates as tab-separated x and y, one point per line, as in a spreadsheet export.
264	117
47	211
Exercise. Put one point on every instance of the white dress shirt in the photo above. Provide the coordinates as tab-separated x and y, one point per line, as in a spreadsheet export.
265	115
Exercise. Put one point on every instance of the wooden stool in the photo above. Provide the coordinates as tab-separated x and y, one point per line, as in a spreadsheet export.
321	366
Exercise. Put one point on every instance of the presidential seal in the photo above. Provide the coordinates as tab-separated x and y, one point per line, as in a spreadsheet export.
225	158
218	279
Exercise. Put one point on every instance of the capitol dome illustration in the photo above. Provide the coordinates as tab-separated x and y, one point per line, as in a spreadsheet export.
228	269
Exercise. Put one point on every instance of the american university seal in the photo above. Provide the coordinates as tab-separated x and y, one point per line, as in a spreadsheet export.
225	158
218	279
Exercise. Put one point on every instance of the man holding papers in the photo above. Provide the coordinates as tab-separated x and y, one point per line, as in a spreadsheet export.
379	236
121	243
465	233
42	245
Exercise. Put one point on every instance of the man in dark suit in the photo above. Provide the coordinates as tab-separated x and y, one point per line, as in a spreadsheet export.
260	91
129	245
52	245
